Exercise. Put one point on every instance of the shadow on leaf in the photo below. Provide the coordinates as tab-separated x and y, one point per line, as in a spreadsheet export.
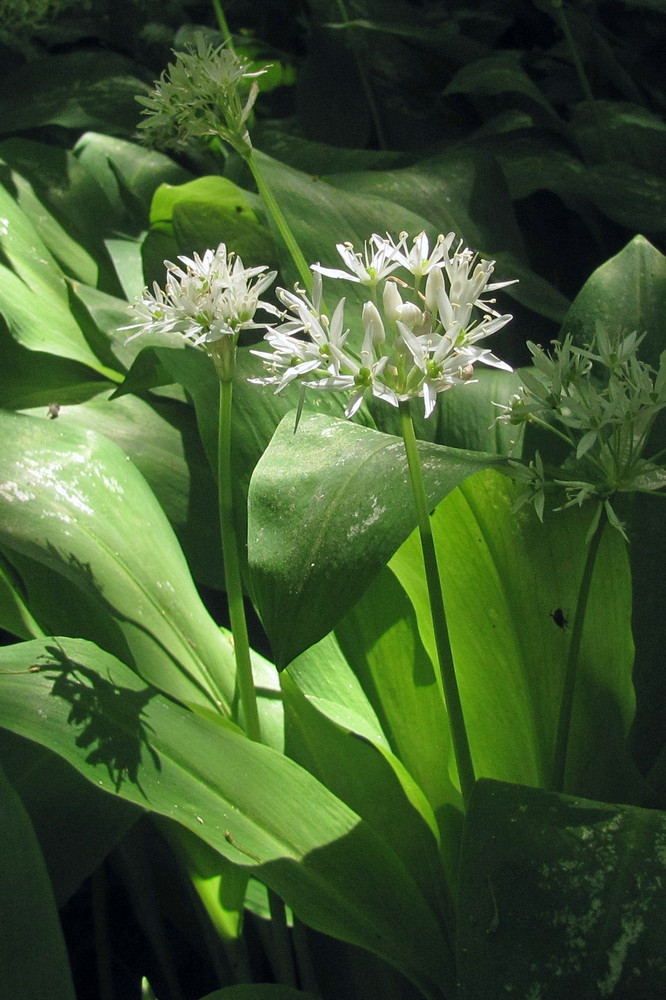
110	717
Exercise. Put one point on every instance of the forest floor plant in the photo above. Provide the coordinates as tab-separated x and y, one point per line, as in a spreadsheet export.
432	774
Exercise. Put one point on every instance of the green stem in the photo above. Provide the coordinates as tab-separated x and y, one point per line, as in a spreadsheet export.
568	691
232	573
436	599
222	21
283	226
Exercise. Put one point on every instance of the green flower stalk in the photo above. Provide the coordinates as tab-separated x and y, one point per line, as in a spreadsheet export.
209	302
599	400
416	345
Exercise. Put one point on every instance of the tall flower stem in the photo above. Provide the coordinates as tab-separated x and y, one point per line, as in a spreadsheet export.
447	672
568	691
232	573
283	226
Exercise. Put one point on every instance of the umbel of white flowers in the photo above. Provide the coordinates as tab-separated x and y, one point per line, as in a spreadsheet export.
208	301
416	343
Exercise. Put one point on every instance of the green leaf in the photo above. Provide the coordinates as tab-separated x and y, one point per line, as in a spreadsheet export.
127	173
64	248
328	506
32	964
253	805
75	823
72	501
374	783
74	89
380	638
504	574
501	73
560	897
160	438
627	292
34	296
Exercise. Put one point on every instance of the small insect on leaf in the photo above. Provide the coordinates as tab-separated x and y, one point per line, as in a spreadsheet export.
559	618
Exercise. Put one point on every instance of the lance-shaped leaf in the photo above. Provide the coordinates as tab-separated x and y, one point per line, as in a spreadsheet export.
560	897
510	584
253	805
328	506
33	957
72	501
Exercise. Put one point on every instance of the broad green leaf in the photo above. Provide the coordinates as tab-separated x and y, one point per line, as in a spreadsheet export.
504	574
501	73
70	255
33	957
622	131
34	296
161	440
253	805
328	506
560	897
323	675
373	782
380	638
31	378
94	89
75	823
627	292
72	501
212	190
62	185
129	174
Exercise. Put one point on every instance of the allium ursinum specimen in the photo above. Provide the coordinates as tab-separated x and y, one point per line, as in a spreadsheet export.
602	401
416	343
204	92
209	301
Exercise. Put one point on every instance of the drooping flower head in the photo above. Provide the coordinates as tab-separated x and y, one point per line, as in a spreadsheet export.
415	344
208	301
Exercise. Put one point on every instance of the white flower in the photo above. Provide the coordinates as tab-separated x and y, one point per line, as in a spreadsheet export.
408	351
364	268
419	261
211	297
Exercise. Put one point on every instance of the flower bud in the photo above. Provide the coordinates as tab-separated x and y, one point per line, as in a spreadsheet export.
372	324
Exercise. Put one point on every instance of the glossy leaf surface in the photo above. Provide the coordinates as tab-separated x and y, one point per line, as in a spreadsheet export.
253	805
328	506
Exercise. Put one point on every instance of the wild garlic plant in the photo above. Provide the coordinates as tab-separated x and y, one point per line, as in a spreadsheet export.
209	301
601	401
421	338
421	329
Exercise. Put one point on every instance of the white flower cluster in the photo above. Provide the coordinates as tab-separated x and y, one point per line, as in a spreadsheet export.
210	298
416	344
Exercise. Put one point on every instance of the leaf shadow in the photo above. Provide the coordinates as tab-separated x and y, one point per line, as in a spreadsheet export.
110	717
